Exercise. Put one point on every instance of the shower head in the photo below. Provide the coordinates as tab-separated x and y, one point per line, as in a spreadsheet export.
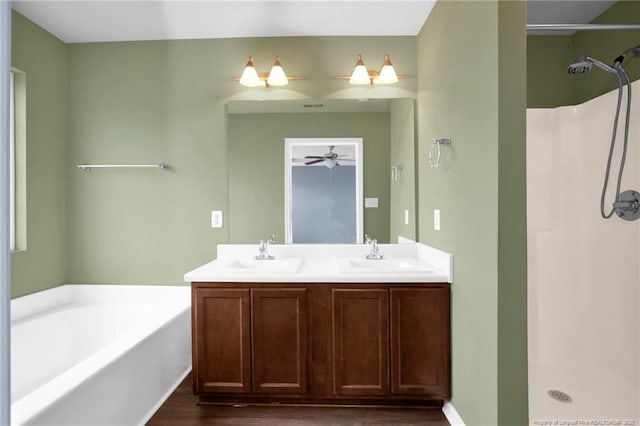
584	63
580	65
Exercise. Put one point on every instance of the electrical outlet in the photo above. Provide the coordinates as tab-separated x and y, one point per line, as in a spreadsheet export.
406	216
216	218
371	203
436	220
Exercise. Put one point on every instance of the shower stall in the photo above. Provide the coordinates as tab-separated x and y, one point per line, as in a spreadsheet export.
584	270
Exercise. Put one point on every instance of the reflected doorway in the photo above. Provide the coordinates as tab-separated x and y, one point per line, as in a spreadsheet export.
323	190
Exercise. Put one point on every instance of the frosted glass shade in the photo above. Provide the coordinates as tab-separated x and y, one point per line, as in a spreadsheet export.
387	73
360	74
250	76
277	77
330	163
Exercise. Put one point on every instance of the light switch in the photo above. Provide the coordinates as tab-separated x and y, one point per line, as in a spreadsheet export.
370	203
216	218
436	220
406	216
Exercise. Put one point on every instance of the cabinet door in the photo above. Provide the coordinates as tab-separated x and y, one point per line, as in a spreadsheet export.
420	342
279	346
360	342
221	341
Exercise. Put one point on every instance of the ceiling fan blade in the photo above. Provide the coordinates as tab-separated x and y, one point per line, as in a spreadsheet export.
346	159
314	156
308	163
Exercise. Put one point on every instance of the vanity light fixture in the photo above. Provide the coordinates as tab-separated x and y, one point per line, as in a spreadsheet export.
362	76
277	77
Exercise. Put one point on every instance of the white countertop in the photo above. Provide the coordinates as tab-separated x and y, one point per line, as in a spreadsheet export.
403	263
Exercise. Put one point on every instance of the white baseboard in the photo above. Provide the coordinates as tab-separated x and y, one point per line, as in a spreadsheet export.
452	415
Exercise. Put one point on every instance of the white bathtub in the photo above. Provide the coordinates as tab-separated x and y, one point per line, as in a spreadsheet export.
97	354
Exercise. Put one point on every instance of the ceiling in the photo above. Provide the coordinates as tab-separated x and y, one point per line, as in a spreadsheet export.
82	21
99	20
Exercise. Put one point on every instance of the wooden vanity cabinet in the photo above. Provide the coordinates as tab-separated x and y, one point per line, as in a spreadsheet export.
321	343
249	340
220	340
420	356
360	337
279	340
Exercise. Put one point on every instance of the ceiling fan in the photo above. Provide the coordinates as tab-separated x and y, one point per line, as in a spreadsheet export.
330	159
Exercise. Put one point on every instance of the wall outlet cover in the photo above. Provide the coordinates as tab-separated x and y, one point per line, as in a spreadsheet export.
370	203
216	218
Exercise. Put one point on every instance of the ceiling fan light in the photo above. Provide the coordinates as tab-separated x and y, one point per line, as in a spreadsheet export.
277	77
360	75
330	163
388	73
250	76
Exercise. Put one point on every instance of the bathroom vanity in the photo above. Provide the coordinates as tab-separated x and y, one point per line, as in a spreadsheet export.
322	325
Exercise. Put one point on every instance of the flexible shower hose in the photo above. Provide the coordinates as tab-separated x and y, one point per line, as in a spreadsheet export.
620	74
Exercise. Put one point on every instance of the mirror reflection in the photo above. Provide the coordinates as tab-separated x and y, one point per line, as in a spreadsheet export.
256	134
323	190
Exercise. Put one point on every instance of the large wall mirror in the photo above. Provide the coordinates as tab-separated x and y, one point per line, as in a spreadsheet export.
256	134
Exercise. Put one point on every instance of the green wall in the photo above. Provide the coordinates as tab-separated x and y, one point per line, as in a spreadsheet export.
403	192
512	215
479	184
44	61
147	102
549	85
164	101
256	167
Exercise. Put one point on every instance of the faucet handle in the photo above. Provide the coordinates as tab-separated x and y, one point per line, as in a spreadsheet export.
367	239
271	239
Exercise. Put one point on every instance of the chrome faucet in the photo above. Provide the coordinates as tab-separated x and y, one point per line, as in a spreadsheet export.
373	244
264	249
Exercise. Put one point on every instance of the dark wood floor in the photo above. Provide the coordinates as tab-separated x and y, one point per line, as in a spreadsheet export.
181	409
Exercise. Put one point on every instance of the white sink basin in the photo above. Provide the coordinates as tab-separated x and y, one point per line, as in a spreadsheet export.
391	265
285	265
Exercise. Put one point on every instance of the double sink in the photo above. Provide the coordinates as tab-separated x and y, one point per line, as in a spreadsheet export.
349	265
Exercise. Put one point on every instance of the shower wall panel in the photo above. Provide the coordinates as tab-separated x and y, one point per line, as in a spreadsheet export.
583	274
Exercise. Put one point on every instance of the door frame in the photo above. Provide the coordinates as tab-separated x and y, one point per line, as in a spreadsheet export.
289	144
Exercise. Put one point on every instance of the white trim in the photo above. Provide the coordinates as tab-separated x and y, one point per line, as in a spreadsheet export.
289	143
452	415
5	257
12	163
